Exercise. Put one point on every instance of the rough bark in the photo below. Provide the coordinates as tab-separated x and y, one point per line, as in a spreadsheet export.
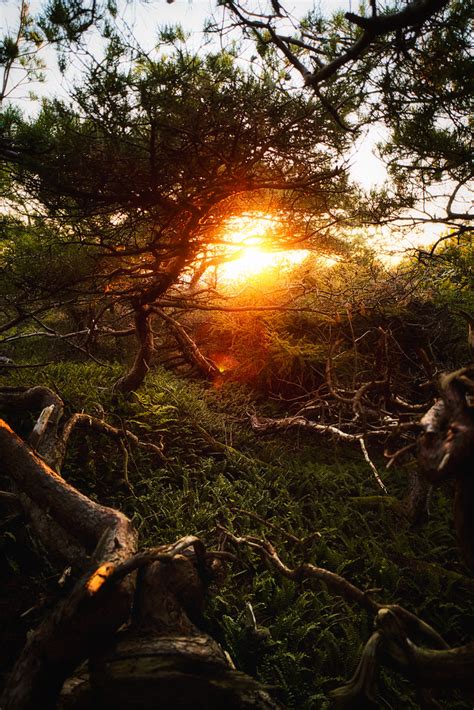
446	450
141	364
417	499
163	658
81	623
188	347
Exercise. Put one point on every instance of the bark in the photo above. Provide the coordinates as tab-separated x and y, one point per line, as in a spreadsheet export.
81	623
164	659
414	14
416	502
44	439
137	373
446	450
188	347
44	435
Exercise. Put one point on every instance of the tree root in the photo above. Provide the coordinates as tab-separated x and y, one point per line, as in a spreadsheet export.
392	642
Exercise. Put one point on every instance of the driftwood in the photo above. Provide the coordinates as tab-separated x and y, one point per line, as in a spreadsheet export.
134	616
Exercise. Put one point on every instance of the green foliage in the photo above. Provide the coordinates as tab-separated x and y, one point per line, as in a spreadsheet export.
307	640
426	87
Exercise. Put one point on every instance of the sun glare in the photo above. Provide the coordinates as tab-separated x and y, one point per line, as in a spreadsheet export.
249	250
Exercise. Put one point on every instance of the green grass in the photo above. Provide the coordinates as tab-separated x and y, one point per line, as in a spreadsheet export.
308	640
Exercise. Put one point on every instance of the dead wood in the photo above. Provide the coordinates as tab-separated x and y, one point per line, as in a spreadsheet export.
446	450
336	583
445	446
50	434
86	618
188	347
395	642
429	668
161	657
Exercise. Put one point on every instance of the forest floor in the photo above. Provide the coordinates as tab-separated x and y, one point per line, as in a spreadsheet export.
312	497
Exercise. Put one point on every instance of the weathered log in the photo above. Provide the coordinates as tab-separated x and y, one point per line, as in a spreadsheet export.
79	624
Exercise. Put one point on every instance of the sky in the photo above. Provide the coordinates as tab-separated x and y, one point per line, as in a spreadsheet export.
146	18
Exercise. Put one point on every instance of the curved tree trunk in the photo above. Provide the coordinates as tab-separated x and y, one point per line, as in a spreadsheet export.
142	306
188	347
137	373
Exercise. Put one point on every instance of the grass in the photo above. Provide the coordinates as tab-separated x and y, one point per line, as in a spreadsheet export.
308	640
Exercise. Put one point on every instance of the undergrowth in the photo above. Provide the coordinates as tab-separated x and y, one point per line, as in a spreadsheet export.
214	471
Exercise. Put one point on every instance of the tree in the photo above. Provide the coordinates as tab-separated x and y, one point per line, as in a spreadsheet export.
139	175
426	86
407	69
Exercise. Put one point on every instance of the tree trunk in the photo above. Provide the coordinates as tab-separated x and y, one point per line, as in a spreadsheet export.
417	499
137	373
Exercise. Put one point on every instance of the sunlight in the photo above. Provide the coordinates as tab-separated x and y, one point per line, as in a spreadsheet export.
248	249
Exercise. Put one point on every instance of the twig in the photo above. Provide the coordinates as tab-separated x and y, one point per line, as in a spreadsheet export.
393	457
269	524
372	465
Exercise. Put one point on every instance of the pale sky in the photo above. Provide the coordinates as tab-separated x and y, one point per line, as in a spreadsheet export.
146	18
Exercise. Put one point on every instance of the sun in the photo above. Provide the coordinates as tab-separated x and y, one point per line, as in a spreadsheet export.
248	249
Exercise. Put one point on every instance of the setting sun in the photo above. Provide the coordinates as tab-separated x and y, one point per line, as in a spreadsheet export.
249	249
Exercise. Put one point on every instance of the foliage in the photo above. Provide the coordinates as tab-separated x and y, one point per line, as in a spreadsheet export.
403	69
307	640
426	87
364	315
